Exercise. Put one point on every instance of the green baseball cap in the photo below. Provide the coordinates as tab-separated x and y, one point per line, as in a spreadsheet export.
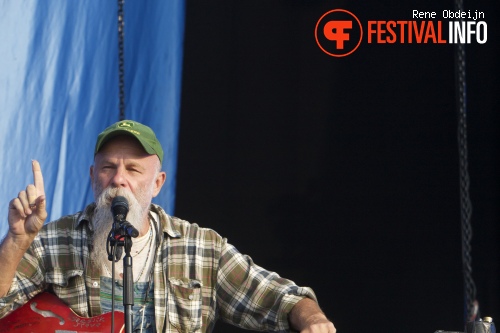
142	133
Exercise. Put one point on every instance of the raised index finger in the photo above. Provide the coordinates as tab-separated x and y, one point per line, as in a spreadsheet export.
38	178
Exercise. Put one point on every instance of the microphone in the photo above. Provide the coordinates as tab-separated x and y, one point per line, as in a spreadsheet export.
119	208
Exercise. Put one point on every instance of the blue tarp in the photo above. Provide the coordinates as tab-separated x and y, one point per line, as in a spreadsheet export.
59	88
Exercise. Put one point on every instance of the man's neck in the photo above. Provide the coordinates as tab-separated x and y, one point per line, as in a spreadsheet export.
145	225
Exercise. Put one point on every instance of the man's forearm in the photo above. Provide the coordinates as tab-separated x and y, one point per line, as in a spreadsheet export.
11	253
306	316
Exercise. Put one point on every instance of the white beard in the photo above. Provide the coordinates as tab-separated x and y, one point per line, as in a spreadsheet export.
103	220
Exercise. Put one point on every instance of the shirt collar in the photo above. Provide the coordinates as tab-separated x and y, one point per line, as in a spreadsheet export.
86	216
166	222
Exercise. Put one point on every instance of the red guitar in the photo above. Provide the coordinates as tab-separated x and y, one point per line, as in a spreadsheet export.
48	314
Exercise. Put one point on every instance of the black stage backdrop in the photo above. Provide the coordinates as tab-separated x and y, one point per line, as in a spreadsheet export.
342	174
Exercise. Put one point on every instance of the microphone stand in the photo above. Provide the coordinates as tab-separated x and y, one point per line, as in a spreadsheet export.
121	236
128	285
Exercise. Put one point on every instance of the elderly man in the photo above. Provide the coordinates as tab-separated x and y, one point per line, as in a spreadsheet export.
185	277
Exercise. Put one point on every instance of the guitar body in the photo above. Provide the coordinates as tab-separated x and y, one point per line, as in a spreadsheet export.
46	313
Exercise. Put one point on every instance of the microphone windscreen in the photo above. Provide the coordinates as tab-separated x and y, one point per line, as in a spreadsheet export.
119	206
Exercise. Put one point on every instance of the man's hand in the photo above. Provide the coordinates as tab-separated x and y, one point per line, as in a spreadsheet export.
27	212
307	317
320	325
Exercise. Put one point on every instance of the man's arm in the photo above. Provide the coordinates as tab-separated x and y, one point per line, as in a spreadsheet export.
27	213
307	317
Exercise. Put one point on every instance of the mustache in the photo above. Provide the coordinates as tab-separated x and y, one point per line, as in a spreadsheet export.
103	215
106	197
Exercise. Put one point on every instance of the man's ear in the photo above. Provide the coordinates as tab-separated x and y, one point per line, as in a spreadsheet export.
160	180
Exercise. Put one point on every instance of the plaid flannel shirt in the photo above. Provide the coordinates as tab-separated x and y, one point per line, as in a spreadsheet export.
198	277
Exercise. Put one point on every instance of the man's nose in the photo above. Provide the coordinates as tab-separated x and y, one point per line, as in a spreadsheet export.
119	179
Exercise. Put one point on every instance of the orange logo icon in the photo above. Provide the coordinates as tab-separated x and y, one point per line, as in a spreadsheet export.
338	33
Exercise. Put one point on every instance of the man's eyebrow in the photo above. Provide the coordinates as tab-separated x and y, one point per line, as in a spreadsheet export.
107	161
134	164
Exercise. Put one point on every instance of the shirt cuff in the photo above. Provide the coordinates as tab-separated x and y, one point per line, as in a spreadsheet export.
288	302
8	302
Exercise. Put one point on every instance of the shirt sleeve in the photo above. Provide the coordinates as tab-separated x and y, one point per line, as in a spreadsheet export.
27	282
252	297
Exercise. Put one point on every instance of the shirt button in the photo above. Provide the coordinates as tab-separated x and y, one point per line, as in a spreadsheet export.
95	284
191	297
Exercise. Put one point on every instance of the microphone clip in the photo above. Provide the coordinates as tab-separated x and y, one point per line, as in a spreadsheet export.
125	229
